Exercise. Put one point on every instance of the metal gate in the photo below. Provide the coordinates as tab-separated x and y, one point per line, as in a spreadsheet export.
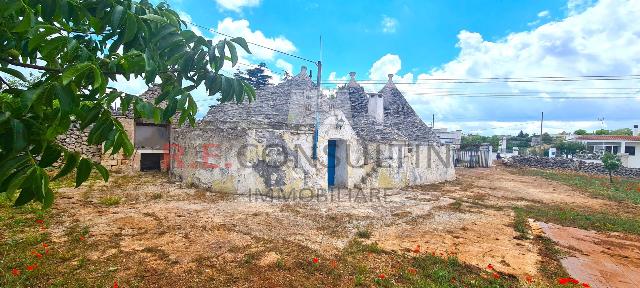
476	158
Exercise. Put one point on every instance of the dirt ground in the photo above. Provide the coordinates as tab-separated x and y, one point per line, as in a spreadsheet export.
173	229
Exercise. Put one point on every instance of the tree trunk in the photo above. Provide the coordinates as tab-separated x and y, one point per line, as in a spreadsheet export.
610	177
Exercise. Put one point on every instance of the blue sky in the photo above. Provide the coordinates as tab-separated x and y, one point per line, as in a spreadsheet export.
421	40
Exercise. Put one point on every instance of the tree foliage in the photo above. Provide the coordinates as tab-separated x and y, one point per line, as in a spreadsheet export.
255	76
81	47
611	163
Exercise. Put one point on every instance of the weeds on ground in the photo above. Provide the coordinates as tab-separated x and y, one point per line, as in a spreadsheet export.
622	190
363	234
110	200
571	217
30	259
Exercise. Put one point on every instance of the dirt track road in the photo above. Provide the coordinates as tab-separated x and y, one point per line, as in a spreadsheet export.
470	217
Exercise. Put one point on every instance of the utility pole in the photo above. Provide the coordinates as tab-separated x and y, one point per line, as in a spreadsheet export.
541	121
317	126
433	121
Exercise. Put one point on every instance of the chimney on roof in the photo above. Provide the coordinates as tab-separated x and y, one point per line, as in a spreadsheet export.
303	70
375	108
352	81
390	78
636	131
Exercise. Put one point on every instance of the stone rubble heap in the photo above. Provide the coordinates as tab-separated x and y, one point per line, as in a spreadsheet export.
569	165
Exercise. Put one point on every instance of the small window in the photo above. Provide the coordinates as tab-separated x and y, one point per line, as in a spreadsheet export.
631	150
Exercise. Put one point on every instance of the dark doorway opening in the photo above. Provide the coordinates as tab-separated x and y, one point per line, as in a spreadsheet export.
331	163
150	161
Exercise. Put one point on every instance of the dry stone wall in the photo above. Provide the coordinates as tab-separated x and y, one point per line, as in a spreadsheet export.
76	140
569	165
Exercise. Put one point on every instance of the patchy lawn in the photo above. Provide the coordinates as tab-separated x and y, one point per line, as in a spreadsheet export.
622	189
143	230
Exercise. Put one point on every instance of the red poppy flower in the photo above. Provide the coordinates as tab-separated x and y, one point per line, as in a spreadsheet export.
45	245
490	267
315	260
115	284
529	279
565	281
638	189
496	275
81	238
39	255
417	249
585	285
381	276
39	221
333	263
32	267
412	271
15	272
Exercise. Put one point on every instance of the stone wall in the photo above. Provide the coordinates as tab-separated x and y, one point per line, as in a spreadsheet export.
569	165
76	140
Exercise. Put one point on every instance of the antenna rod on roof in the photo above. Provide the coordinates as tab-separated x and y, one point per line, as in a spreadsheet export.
314	155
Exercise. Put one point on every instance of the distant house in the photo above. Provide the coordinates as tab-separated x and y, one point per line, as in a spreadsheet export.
626	147
453	138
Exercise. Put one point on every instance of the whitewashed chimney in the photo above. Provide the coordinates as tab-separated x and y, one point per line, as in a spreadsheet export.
376	106
636	131
352	81
303	71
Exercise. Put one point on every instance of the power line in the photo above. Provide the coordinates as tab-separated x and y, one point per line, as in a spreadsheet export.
252	43
502	79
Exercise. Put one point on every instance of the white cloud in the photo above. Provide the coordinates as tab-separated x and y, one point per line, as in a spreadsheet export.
603	39
388	24
186	17
284	65
544	14
578	6
236	5
240	28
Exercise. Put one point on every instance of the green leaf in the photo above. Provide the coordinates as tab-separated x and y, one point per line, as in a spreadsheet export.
74	71
10	165
97	77
26	194
4	116
131	28
103	171
50	155
14	73
127	146
84	170
41	36
19	138
27	21
220	48
116	16
91	117
17	180
243	43
233	52
154	18
70	163
28	97
67	99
